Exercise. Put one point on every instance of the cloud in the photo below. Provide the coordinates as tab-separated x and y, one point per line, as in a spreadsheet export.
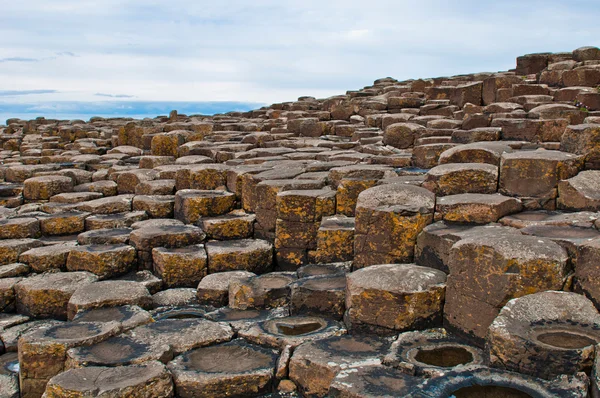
114	95
19	59
268	51
6	93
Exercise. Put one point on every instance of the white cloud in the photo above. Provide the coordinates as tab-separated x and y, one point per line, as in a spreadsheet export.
270	51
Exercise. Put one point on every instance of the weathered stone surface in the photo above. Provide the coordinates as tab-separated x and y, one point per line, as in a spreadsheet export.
323	295
402	135
105	261
373	381
46	258
19	228
436	240
584	140
150	380
545	335
47	295
261	292
243	254
475	208
581	192
431	352
457	178
388	220
185	266
191	204
235	225
114	220
291	331
584	219
42	188
183	334
11	249
63	223
108	294
378	298
42	354
231	369
129	316
488	270
536	173
314	365
214	288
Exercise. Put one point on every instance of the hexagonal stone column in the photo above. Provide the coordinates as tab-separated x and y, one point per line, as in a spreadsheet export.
47	295
534	175
335	239
42	353
457	178
214	288
271	290
191	204
488	270
231	369
156	206
150	379
586	271
545	335
234	225
436	240
581	192
584	140
180	267
19	228
299	213
104	261
108	294
475	208
388	220
45	258
252	255
147	238
314	365
323	295
42	188
476	152
7	294
11	249
67	223
388	297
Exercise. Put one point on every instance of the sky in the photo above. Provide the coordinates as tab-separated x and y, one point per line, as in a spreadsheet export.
70	57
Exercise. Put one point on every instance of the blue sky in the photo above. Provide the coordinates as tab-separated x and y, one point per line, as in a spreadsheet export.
264	51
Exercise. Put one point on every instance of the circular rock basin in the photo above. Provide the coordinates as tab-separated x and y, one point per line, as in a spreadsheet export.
444	356
295	326
431	352
292	330
489	392
565	339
